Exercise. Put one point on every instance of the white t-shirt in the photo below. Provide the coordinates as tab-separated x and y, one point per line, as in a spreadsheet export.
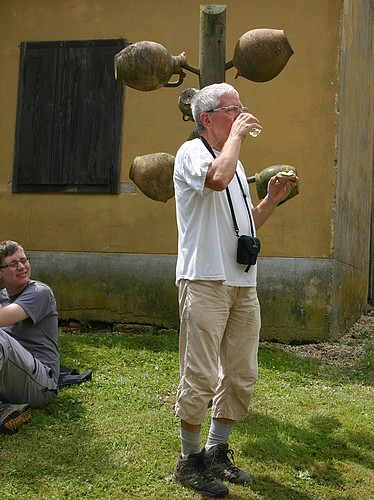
207	243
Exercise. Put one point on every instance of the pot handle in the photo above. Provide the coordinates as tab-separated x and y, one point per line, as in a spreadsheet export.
179	82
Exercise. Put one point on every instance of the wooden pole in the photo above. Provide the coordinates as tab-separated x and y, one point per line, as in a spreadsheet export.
212	44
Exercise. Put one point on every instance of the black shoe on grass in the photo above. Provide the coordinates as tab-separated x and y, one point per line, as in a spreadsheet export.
192	471
218	461
12	416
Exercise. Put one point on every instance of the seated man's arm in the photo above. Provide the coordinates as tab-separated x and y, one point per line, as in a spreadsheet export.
13	313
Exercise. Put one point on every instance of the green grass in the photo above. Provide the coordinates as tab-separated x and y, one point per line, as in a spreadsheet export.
308	435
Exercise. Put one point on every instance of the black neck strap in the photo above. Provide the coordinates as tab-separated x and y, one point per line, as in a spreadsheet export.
209	148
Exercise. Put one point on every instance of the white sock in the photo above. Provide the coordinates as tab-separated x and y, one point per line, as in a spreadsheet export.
218	433
190	441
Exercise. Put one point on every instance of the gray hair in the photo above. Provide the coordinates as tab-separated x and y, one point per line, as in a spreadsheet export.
8	247
207	99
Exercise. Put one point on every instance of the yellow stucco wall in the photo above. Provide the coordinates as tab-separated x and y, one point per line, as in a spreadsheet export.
296	109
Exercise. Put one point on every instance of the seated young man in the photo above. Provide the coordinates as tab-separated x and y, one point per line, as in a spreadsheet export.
29	357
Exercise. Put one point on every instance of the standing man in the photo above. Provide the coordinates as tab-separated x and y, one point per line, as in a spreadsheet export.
29	357
218	304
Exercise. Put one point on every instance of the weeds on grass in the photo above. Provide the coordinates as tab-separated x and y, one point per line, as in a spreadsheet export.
308	435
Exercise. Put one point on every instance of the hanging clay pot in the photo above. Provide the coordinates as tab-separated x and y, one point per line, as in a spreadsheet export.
153	175
147	66
261	54
261	179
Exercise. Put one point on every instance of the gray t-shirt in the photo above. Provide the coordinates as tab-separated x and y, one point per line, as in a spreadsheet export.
38	334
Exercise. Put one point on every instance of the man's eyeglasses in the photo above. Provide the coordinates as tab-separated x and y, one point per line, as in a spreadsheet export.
231	110
14	263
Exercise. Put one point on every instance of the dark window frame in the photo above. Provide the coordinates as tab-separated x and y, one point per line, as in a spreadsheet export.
69	117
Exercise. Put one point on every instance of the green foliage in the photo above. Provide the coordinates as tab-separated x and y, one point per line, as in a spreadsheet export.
308	435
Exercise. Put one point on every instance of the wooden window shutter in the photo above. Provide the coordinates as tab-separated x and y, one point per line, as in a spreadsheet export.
69	118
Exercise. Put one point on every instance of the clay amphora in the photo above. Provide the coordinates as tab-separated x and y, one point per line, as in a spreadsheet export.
261	179
153	175
261	54
146	65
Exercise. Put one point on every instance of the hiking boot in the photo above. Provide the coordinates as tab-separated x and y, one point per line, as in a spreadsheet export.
13	416
218	461
193	472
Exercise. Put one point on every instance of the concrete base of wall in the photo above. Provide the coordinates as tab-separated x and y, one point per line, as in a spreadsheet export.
296	294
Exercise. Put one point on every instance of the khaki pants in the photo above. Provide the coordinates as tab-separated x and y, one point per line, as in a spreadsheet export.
219	335
23	378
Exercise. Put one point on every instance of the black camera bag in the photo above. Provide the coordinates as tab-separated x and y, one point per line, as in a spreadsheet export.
248	249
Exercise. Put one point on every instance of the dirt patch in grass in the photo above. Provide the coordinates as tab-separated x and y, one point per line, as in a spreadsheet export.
345	352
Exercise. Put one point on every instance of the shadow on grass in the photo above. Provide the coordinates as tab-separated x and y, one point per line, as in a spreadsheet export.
73	449
55	443
264	485
311	451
